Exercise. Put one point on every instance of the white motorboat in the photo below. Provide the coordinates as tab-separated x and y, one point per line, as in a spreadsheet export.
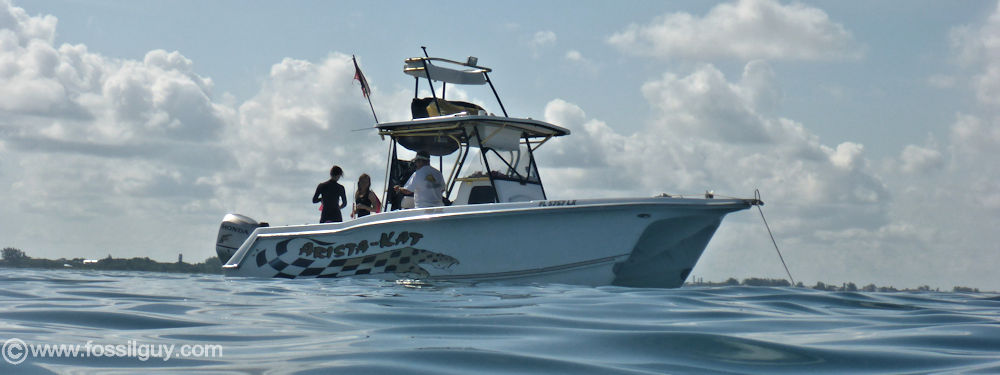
500	225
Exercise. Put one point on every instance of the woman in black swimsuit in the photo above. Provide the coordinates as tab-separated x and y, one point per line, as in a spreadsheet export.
331	194
365	200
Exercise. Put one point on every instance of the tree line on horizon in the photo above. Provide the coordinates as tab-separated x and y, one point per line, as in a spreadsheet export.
16	258
844	287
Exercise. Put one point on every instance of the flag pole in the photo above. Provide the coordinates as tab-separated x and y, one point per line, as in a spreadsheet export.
373	108
365	89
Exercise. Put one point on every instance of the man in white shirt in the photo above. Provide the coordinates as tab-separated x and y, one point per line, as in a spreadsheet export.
426	184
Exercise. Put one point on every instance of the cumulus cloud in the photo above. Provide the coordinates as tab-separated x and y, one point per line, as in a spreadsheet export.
758	86
836	216
978	46
975	143
918	159
948	199
972	136
594	136
292	131
708	135
746	30
122	149
833	203
72	102
975	138
38	78
931	204
847	155
720	110
946	195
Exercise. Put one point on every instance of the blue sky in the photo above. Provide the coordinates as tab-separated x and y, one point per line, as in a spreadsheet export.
870	127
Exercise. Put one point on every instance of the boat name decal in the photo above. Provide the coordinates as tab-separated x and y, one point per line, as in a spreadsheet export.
557	203
332	249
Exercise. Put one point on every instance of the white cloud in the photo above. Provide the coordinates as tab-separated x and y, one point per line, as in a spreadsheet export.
978	46
109	151
831	210
704	103
594	136
758	86
847	155
975	145
947	196
948	199
301	122
747	30
927	213
25	28
577	59
574	55
543	38
975	138
918	159
706	134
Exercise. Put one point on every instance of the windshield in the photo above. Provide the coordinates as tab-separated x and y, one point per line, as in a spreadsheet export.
509	165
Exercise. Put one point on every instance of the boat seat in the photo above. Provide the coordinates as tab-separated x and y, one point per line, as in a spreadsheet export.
425	107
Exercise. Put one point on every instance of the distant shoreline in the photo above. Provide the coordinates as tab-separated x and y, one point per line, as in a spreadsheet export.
843	287
15	258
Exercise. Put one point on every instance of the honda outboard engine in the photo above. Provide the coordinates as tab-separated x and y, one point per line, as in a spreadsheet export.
235	229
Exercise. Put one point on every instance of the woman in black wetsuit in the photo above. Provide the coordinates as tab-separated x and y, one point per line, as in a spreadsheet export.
333	197
365	200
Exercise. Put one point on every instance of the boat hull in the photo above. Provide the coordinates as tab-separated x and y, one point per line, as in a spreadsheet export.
650	242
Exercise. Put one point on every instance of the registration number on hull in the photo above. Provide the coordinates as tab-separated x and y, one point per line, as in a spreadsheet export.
557	203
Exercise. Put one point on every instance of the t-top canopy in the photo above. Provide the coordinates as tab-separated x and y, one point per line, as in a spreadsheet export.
423	67
442	135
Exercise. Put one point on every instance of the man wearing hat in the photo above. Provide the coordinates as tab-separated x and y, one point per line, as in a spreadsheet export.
426	184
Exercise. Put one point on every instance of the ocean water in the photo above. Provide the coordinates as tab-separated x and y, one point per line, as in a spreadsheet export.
122	322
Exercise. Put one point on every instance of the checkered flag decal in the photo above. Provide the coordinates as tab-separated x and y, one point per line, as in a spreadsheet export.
404	262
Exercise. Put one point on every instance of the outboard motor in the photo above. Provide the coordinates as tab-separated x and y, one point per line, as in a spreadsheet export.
233	231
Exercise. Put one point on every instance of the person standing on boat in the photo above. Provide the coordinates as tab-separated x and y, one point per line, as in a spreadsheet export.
333	197
365	200
426	184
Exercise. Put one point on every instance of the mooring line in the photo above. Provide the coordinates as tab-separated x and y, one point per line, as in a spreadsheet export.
756	195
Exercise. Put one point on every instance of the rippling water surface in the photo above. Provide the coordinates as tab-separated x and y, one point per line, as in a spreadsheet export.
366	326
